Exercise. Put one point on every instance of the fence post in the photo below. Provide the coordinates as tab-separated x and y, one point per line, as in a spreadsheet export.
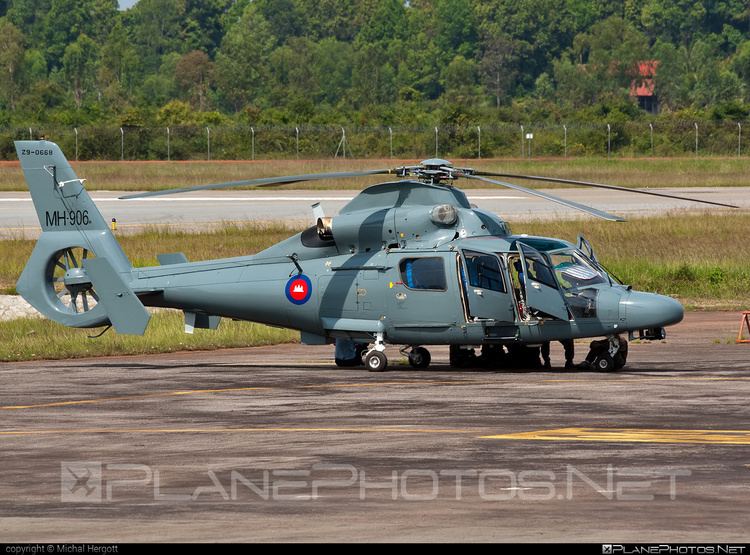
696	138
252	143
479	143
169	152
651	134
739	139
296	130
565	141
609	140
436	142
31	135
208	143
342	144
75	129
522	140
122	144
529	147
390	140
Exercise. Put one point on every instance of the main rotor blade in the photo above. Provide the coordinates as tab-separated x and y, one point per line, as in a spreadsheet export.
603	186
261	182
547	196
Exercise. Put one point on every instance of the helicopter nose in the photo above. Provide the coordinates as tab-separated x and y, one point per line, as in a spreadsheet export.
648	310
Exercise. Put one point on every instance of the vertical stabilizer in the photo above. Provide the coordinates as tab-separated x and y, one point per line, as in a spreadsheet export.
55	280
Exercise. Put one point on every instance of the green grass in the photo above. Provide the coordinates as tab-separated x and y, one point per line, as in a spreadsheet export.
33	338
630	172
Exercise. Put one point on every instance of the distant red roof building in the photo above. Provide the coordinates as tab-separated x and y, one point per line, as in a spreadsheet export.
642	87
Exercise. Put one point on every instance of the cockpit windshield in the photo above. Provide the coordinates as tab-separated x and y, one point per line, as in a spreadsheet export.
574	271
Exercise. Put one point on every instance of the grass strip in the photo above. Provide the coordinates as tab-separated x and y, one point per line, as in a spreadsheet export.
34	338
628	172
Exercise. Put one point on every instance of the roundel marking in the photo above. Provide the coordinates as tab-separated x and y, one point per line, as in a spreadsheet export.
299	289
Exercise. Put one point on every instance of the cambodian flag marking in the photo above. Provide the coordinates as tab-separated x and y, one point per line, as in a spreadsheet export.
299	289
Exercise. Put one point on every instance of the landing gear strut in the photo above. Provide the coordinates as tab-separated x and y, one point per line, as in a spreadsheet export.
375	359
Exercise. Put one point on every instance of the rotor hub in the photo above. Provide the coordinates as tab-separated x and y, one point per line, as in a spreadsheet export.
433	171
69	282
76	277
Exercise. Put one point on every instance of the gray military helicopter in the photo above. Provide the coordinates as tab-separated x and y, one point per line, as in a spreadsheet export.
408	262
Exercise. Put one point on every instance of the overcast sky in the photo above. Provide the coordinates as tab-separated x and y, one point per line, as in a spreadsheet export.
125	4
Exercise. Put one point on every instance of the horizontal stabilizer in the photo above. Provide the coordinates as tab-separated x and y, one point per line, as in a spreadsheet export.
200	320
124	310
172	258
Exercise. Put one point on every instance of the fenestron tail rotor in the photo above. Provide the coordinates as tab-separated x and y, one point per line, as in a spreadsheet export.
73	290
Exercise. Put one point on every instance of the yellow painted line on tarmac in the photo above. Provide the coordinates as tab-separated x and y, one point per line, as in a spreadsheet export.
379	384
626	379
129	398
632	435
275	364
180	393
260	430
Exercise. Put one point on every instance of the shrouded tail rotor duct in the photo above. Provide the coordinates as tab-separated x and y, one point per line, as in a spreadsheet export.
70	289
56	283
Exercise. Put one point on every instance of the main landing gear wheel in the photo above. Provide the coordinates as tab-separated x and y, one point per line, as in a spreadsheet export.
375	361
419	357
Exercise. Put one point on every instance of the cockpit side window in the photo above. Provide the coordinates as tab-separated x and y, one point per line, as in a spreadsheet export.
484	271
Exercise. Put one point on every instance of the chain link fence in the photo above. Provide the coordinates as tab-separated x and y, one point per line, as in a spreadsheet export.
632	139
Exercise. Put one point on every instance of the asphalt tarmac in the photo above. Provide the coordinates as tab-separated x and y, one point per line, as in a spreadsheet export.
197	211
276	443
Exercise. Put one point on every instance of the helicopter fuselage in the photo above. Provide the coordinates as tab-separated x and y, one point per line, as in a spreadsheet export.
423	268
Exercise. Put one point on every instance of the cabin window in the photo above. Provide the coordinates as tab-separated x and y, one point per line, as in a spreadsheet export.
484	271
423	273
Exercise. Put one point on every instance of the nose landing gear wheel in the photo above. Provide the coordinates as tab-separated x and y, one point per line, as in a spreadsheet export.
604	363
375	361
419	357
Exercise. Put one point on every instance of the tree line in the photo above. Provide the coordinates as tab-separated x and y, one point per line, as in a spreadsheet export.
368	62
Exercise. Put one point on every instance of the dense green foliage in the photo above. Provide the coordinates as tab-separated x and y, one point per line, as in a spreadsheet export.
367	62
